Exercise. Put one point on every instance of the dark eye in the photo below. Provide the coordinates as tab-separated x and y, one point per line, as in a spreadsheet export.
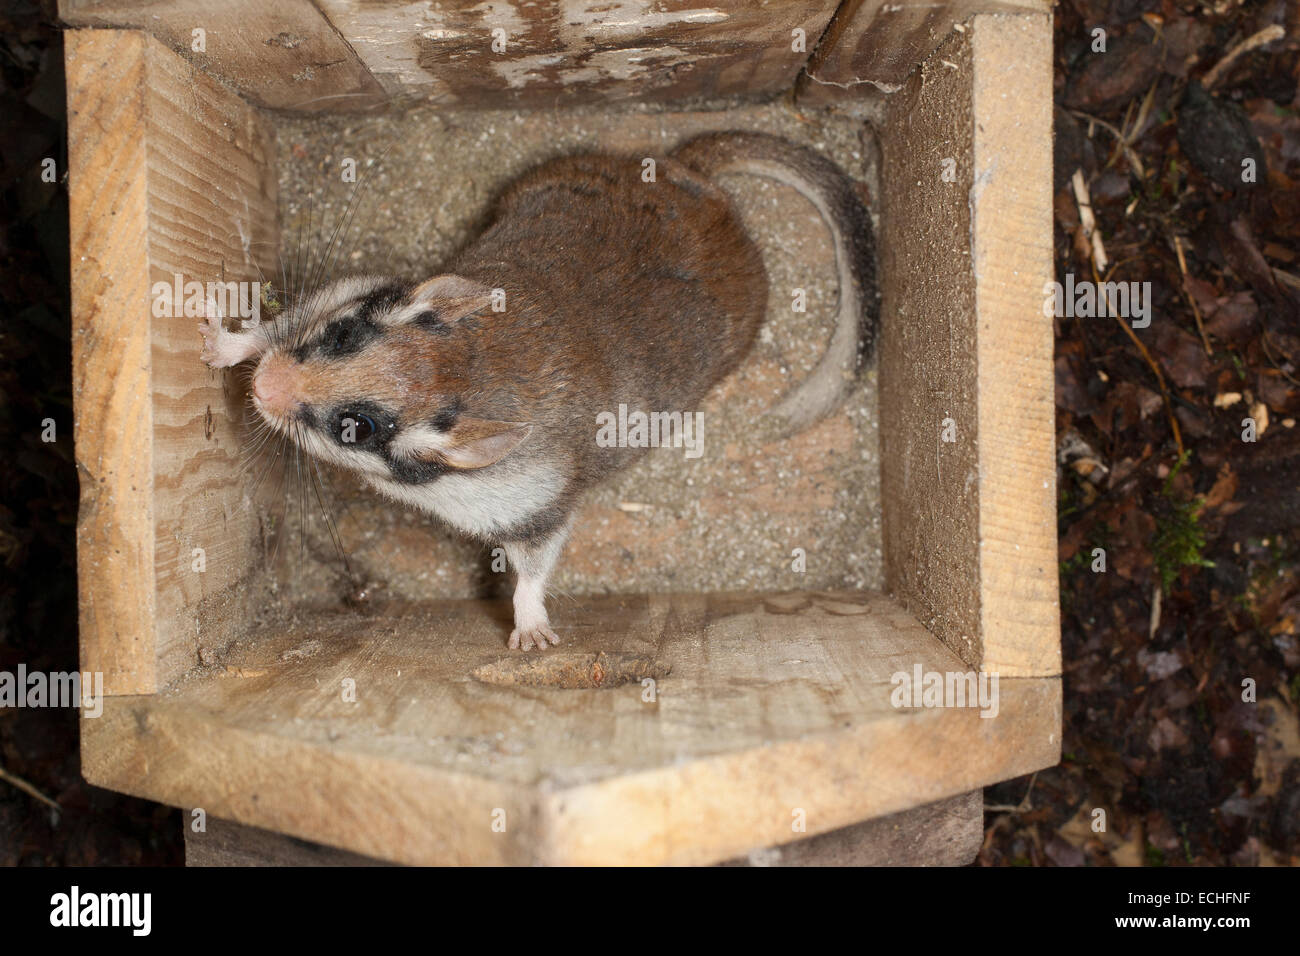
355	428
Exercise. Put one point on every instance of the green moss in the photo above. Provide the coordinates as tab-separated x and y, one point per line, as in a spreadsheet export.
1179	540
1068	499
1073	564
271	304
1155	856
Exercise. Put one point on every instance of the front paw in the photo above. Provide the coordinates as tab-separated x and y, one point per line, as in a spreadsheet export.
222	349
537	635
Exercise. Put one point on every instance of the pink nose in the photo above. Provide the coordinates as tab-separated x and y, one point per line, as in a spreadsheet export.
278	387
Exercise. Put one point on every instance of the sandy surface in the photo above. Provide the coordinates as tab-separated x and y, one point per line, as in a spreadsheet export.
730	519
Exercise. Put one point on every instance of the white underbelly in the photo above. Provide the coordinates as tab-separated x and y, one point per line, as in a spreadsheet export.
481	503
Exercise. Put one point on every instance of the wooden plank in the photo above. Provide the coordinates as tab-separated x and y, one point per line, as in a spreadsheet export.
875	44
945	833
965	351
171	174
1012	259
560	52
766	711
109	226
283	55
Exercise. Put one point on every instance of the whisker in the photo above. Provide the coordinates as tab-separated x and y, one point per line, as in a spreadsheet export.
317	486
275	450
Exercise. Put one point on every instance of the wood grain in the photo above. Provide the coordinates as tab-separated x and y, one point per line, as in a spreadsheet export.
169	175
970	523
563	52
1011	257
928	372
109	226
945	833
764	706
874	45
283	55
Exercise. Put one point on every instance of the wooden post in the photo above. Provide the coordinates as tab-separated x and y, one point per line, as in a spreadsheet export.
171	175
966	386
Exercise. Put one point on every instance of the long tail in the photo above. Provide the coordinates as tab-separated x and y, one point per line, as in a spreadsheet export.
826	187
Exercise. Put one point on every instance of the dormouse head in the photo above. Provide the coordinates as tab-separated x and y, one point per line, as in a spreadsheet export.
373	374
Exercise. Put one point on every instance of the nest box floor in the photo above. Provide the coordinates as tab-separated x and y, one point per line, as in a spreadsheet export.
666	729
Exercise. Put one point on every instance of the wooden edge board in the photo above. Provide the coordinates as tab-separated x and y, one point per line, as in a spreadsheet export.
966	389
1011	256
700	812
948	832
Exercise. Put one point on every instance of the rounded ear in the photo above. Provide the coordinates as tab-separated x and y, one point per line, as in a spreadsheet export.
449	297
476	442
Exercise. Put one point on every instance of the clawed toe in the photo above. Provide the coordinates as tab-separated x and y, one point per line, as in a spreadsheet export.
211	330
526	638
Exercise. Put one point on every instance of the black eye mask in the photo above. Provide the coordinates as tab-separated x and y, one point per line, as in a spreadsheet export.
344	337
371	429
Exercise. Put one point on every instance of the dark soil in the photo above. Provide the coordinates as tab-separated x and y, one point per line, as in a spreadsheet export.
1199	527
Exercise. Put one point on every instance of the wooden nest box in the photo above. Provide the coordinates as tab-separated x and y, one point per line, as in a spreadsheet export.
670	727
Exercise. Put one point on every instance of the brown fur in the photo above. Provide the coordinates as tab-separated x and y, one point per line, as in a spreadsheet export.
617	291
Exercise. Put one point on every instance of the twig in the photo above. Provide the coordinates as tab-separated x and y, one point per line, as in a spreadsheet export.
1266	35
1160	378
1024	806
1154	623
1089	224
1088	221
1288	279
1191	299
27	788
1268	352
1144	112
1128	150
